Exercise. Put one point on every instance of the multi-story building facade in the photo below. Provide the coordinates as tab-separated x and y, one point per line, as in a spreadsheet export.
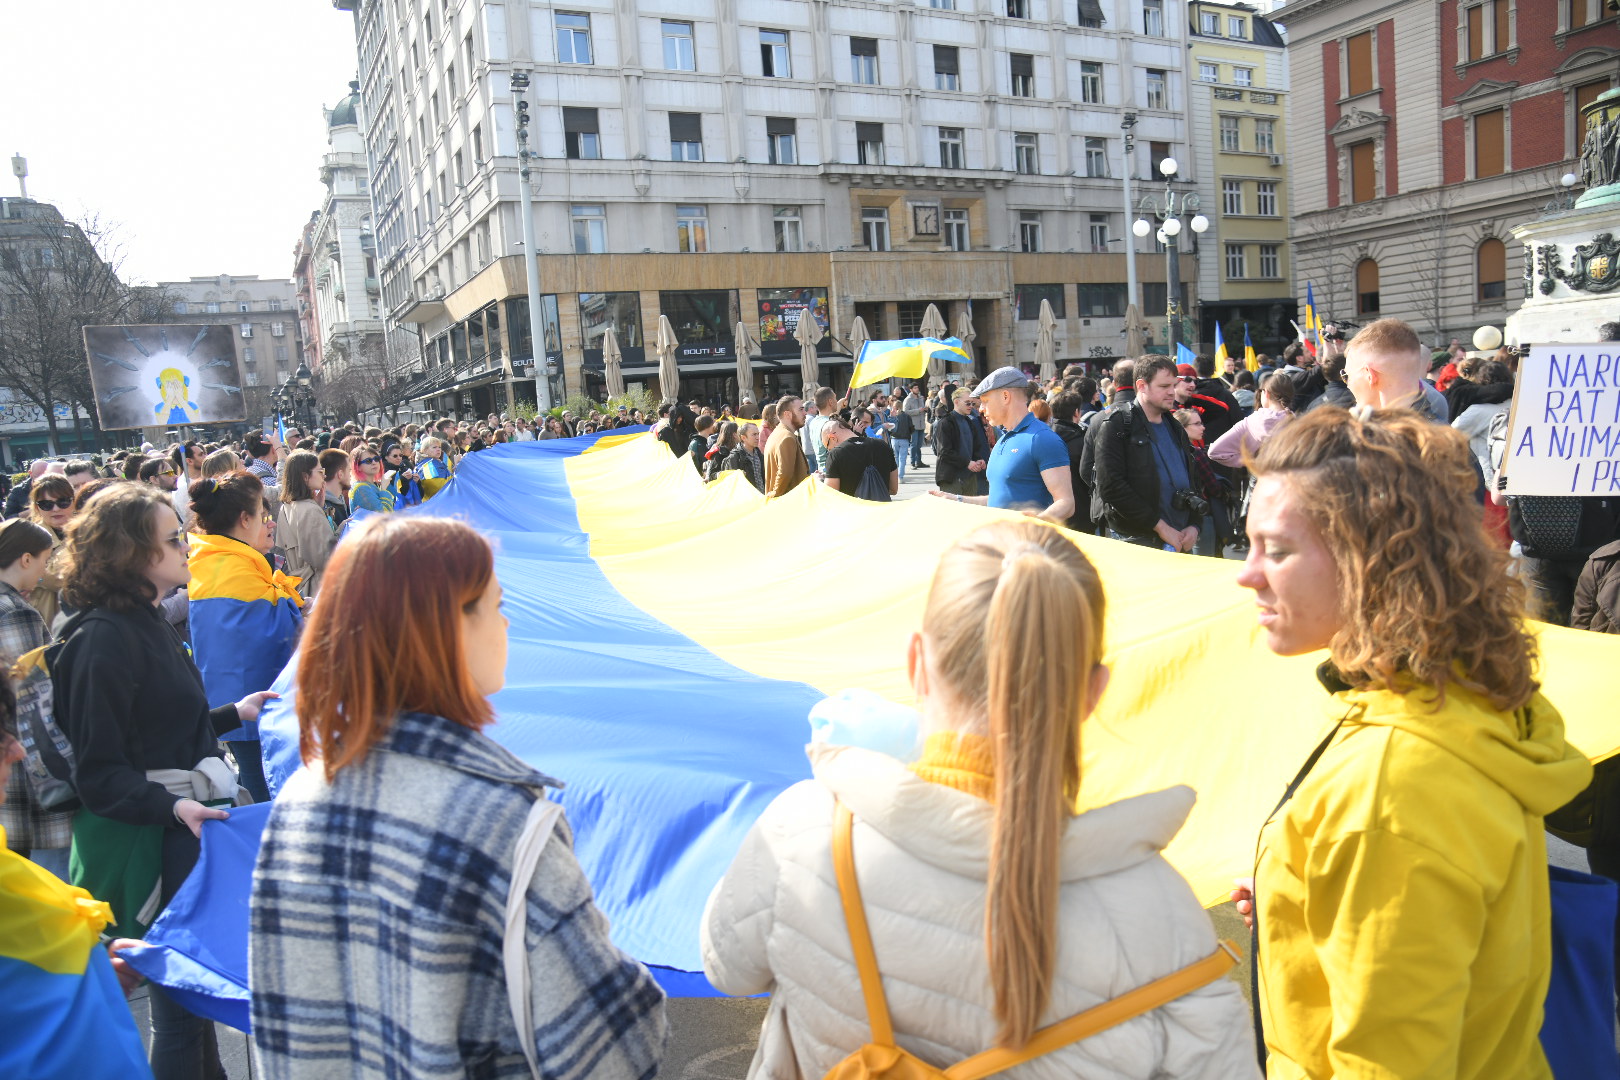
341	252
1422	132
263	312
308	303
750	161
1238	94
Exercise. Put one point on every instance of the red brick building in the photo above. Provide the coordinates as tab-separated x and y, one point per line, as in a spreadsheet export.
1422	131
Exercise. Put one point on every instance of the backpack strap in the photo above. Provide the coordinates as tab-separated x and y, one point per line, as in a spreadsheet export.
860	936
537	830
1127	1006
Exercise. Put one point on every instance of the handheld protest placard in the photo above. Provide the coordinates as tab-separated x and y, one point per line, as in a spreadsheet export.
1564	425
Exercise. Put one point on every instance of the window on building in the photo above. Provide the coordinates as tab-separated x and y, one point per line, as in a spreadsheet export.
868	143
875	228
1157	152
573	38
1022	66
211	307
685	136
781	140
1367	287
1236	27
1266	198
1270	261
468	53
1242	76
1265	136
692	229
459	164
956	230
248	355
450	81
1209	22
1155	295
1029	230
478	143
1101	300
179	307
278	329
1090	14
942	5
1027	301
590	229
679	54
581	133
950	148
47	257
863	60
1231	196
1017	9
1231	133
1363	173
1236	264
1358	52
275	303
1096	156
774	59
1584	12
1491	261
1153	18
1099	232
1157	98
947	67
281	355
1026	153
1210	73
1490	158
1091	82
787	222
1486	29
1584	95
247	329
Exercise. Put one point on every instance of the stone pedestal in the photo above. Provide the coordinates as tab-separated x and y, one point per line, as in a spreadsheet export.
1571	276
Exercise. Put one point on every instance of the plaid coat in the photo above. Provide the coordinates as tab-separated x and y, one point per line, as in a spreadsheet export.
377	916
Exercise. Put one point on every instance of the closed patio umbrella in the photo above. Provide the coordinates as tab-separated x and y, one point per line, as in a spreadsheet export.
808	335
1046	342
669	373
933	326
745	346
1135	331
612	360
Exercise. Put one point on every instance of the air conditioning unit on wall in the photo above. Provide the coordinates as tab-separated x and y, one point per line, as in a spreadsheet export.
1276	159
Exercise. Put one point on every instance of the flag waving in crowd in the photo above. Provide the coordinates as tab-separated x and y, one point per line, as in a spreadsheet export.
1220	349
1251	360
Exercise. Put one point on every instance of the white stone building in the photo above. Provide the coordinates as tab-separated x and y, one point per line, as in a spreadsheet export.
712	159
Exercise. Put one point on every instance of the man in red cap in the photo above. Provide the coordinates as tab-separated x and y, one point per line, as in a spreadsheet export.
1209	398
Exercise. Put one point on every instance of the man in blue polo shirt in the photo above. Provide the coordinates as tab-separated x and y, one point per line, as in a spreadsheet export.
1029	465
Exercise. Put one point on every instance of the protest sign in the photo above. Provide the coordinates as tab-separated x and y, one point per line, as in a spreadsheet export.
1564	433
164	375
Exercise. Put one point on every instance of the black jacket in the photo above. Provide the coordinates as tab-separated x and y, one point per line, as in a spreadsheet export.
129	699
1309	385
1074	440
952	454
1220	410
17	501
1335	393
750	465
1127	488
1093	425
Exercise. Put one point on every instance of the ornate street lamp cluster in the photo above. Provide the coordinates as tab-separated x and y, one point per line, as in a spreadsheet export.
295	398
1168	209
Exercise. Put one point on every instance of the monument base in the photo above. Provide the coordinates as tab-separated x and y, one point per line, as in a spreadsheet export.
1571	277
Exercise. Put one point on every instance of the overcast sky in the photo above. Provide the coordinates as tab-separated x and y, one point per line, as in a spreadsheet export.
192	126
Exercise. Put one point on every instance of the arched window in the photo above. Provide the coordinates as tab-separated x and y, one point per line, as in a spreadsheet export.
1367	287
1491	263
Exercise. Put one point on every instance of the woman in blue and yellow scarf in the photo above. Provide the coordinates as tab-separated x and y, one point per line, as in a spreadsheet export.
436	467
245	615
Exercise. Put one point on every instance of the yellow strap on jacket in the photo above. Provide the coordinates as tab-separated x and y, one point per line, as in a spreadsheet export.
883	1058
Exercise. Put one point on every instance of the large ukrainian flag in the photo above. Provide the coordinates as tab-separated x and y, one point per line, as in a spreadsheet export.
62	1014
667	643
245	620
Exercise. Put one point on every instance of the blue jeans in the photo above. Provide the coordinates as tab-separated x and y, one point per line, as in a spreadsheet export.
900	459
54	859
1140	541
1208	538
250	765
916	448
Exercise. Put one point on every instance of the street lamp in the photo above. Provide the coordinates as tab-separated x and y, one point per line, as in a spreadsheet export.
1168	210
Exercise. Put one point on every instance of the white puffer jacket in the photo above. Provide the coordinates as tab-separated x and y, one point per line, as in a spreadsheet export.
922	857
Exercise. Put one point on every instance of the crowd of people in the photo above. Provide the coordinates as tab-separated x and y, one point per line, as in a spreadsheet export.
417	908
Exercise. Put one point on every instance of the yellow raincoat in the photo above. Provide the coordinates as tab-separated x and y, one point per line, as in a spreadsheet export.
1402	893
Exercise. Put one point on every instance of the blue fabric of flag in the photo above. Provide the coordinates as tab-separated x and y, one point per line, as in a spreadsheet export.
669	754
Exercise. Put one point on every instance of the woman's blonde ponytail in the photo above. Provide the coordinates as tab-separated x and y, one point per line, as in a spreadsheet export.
1015	622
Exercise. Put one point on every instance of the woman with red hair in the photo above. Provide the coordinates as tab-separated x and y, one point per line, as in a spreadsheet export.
383	892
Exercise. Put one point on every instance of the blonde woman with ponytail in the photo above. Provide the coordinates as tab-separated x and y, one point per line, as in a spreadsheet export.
994	910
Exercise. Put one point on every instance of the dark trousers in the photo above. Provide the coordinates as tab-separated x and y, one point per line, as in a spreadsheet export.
965	484
1552	587
249	757
184	1046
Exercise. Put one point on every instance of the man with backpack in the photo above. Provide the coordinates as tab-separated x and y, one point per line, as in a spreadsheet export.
859	465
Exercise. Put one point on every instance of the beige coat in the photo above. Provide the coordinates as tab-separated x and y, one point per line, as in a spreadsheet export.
305	534
921	852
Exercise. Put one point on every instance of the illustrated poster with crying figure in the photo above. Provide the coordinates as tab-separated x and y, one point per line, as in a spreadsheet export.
164	375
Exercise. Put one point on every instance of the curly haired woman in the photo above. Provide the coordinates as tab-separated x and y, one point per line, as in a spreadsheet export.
1401	892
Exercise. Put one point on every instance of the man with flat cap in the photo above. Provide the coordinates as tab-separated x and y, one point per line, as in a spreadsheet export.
1029	465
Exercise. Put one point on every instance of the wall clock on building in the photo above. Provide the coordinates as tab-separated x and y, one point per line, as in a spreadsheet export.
925	219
